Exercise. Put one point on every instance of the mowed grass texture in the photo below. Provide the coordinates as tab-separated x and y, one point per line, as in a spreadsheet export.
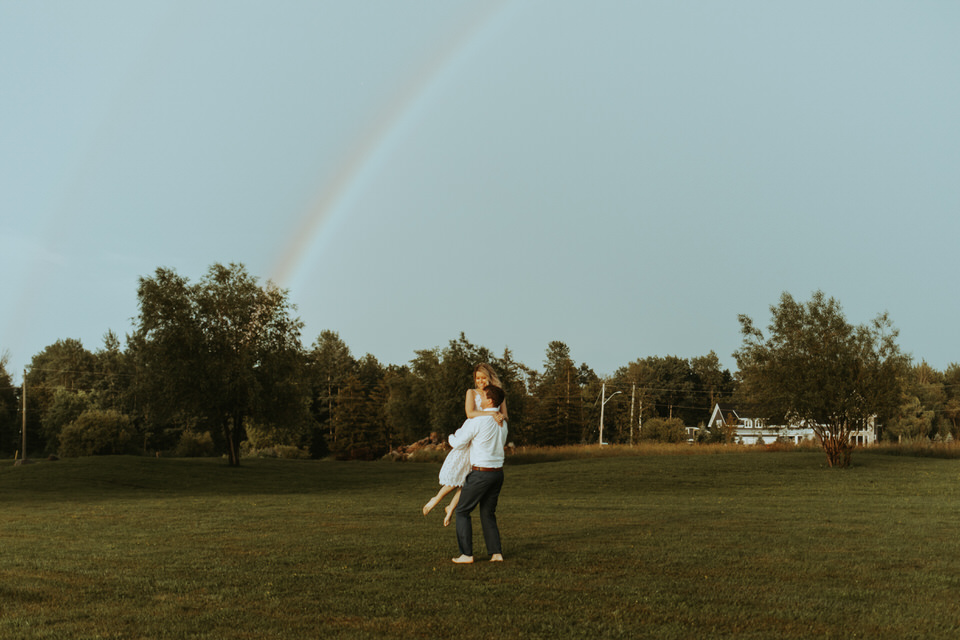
735	545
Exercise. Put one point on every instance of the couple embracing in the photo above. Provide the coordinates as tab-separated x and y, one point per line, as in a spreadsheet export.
474	468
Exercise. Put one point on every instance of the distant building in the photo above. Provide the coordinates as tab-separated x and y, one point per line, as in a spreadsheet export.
752	430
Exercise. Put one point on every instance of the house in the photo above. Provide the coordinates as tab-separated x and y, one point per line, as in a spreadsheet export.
753	430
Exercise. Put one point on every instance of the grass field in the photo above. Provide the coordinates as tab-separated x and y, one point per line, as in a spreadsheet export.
732	545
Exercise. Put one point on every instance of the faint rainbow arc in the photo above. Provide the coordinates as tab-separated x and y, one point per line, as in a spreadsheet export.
327	206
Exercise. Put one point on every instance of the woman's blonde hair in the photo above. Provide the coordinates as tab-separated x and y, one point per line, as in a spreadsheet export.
491	374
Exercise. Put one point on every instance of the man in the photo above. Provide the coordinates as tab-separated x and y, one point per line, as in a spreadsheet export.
486	440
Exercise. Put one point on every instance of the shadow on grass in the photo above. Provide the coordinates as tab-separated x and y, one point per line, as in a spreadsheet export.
97	477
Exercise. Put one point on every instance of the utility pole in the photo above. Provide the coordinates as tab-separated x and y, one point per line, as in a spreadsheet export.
633	392
603	401
640	420
23	427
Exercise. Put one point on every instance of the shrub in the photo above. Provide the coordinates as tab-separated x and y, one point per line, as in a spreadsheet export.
65	408
195	445
664	430
270	441
285	451
96	432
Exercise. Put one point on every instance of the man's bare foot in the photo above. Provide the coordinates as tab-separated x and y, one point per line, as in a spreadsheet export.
464	560
446	520
496	558
430	505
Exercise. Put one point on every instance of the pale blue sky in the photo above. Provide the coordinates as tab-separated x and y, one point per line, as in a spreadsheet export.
626	177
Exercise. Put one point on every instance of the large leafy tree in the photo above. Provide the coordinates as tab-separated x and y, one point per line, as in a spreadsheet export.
223	351
814	367
676	383
712	383
64	372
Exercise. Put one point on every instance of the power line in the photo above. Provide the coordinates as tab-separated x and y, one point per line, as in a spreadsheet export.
82	372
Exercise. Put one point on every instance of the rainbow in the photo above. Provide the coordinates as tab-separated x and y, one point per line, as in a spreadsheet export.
320	221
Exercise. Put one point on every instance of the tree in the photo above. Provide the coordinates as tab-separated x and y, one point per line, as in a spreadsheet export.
817	369
62	368
352	422
223	350
640	378
951	410
714	384
673	387
9	401
114	384
404	412
360	423
558	416
923	399
443	376
330	363
913	422
514	377
433	390
674	374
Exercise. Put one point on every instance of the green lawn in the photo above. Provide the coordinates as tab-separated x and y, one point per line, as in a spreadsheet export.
732	545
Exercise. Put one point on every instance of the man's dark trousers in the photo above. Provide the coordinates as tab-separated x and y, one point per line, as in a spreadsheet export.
480	488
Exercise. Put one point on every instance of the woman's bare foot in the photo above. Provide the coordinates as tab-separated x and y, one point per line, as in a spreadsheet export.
496	558
446	520
464	560
430	504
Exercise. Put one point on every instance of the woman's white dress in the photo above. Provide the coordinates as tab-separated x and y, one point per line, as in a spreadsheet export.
456	465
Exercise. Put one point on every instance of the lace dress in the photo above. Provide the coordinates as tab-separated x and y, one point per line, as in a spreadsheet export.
456	465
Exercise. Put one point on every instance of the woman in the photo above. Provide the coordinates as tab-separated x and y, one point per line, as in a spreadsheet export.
456	466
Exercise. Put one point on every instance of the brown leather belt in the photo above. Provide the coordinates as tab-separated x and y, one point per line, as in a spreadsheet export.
487	468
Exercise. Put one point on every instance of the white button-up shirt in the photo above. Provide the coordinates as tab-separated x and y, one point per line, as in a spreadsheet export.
485	438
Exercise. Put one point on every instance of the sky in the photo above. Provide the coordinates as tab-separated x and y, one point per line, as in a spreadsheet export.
627	177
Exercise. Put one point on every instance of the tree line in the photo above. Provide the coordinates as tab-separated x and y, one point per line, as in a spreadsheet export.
218	367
